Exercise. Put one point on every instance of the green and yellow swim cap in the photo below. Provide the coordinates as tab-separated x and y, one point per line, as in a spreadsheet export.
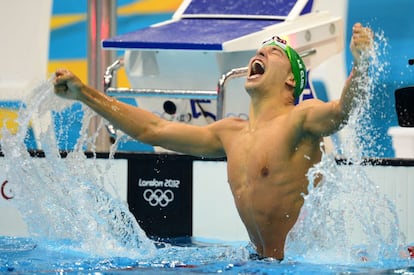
296	62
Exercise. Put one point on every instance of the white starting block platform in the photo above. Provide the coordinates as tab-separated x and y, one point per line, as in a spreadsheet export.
213	26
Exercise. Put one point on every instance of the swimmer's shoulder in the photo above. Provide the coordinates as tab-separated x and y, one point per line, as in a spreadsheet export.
300	111
304	106
308	103
229	123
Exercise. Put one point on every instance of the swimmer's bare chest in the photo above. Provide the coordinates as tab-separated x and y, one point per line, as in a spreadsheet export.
258	160
261	164
267	180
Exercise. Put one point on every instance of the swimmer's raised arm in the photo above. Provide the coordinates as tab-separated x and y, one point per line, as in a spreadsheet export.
326	118
140	124
361	43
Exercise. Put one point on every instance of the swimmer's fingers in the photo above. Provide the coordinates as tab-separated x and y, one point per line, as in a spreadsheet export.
65	83
362	40
362	37
60	82
61	89
60	77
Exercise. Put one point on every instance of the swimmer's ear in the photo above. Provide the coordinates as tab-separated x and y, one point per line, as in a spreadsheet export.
290	81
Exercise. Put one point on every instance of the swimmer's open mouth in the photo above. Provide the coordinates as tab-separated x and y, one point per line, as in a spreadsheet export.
257	69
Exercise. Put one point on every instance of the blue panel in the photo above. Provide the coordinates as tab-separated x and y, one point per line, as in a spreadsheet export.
241	7
196	34
69	7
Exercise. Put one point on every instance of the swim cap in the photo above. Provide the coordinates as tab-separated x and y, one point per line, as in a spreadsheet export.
296	62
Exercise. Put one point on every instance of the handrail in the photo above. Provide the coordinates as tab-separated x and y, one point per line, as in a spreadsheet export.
234	73
191	94
109	72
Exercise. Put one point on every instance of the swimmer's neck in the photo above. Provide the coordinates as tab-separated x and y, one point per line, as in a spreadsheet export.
267	112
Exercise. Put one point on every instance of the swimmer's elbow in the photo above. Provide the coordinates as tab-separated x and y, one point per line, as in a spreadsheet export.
342	115
338	119
150	134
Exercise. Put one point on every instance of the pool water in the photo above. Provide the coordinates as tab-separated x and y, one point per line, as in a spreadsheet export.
182	255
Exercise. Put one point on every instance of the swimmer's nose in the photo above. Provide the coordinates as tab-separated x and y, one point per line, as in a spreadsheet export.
261	52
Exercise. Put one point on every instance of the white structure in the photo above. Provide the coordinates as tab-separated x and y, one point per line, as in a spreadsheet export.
24	32
402	141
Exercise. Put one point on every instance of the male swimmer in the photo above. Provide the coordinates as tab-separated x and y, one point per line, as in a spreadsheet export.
268	155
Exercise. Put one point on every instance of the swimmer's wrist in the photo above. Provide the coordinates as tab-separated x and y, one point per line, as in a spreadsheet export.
85	93
360	65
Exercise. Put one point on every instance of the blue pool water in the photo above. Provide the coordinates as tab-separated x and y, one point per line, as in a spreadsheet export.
25	255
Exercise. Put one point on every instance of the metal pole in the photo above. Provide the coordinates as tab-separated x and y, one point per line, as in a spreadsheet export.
221	87
101	25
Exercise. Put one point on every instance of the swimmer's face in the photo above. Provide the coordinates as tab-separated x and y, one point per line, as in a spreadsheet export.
269	68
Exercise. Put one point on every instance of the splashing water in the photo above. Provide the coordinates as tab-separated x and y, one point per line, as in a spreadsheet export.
66	205
362	135
62	199
345	219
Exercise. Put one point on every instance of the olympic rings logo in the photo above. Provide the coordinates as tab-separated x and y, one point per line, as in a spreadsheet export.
158	197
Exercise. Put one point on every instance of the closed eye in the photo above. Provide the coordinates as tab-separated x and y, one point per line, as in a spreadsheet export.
277	50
